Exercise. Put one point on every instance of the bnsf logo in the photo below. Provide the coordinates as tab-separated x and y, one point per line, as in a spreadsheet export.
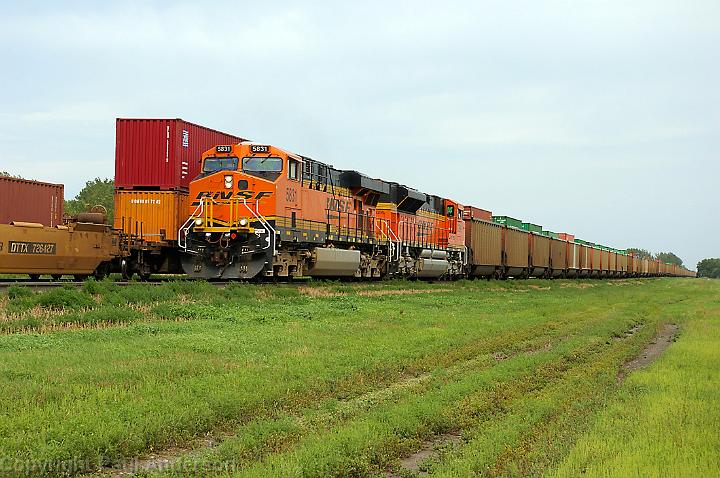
223	195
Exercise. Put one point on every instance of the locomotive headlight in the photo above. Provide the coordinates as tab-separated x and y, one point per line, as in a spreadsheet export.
198	222
243	222
228	181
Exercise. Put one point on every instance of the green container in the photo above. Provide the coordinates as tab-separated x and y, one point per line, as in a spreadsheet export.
551	234
530	227
580	241
508	221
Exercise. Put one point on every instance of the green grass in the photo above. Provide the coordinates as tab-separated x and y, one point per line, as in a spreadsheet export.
334	379
666	420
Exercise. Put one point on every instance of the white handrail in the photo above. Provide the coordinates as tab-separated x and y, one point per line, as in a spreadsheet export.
395	244
188	224
265	223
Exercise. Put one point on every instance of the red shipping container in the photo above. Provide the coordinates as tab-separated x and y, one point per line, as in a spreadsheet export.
30	201
472	212
162	154
566	237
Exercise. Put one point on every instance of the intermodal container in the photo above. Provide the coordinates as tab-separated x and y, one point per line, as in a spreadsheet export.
530	227
485	242
23	200
472	212
155	216
162	154
508	221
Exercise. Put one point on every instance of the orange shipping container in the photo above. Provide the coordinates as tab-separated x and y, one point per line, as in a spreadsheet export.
155	216
472	212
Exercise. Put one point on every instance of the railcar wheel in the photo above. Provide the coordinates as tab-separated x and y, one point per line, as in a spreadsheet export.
80	277
101	272
56	276
125	270
34	277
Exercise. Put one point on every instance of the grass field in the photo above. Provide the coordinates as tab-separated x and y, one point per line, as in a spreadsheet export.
397	379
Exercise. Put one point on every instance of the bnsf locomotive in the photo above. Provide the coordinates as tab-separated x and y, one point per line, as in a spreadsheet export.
259	211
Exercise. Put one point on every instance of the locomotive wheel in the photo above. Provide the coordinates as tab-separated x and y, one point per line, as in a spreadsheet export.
101	272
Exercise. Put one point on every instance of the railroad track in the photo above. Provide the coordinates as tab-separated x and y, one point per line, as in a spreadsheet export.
52	284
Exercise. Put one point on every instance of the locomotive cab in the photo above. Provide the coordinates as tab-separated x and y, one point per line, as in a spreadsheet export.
230	231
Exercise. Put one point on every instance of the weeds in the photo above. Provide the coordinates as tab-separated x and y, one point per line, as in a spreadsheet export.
294	384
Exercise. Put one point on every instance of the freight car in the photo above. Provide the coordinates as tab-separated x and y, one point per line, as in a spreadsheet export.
82	248
258	211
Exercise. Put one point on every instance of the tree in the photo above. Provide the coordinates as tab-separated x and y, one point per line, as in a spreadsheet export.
709	268
5	173
669	258
640	253
98	192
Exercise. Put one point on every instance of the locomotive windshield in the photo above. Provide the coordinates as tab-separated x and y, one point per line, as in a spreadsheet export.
214	164
262	165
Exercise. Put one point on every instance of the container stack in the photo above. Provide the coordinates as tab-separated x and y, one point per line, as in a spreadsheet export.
472	212
22	200
508	221
155	161
530	227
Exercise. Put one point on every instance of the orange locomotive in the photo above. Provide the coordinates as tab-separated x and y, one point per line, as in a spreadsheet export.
260	211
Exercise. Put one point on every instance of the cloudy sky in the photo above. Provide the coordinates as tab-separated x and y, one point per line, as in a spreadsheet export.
599	118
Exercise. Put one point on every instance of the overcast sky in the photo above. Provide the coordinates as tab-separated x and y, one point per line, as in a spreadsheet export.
599	118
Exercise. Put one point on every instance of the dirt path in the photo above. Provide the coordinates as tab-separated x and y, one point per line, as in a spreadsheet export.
650	353
429	449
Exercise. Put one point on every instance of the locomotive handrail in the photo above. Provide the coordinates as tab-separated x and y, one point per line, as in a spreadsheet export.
264	222
185	228
395	244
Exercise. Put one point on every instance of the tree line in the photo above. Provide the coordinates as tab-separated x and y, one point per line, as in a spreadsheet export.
666	257
709	268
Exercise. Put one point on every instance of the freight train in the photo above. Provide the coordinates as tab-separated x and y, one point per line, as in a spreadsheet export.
259	211
256	211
